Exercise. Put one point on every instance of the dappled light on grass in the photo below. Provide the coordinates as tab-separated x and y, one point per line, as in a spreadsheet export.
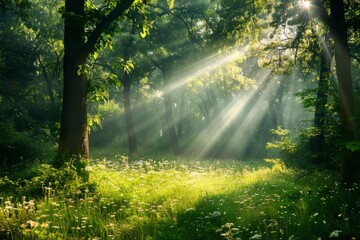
197	200
153	181
186	199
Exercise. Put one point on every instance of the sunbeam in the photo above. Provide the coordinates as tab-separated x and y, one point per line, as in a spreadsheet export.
180	79
206	65
225	118
254	116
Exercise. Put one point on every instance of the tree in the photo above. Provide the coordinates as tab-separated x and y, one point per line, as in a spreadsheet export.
168	76
48	29
126	81
125	78
339	32
78	45
28	128
336	24
168	52
318	141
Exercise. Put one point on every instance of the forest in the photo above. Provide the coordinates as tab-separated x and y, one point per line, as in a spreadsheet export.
180	119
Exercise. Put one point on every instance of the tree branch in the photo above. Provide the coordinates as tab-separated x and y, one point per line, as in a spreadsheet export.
103	25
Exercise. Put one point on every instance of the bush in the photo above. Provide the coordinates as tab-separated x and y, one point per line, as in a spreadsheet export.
43	179
18	147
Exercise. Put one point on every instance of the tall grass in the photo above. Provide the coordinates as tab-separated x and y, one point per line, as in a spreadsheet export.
185	199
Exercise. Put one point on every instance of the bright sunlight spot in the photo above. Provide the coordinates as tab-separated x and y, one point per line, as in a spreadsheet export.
305	4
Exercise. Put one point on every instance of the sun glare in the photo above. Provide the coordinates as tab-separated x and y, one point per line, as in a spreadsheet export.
305	4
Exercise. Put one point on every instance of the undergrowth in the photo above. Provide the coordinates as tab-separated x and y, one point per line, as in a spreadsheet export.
183	199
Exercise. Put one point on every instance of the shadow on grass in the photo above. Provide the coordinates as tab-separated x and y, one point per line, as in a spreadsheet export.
269	211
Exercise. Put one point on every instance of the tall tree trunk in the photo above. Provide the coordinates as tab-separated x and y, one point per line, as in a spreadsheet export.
276	109
181	114
174	142
133	149
318	140
170	124
48	81
74	128
284	85
343	72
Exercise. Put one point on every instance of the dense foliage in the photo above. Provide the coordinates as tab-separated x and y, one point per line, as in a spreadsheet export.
221	87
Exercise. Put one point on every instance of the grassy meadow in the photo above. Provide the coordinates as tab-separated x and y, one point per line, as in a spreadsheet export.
177	199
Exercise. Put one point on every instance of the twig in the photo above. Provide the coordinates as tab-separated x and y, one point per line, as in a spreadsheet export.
305	174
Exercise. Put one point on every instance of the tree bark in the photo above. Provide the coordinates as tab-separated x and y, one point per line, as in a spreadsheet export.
73	130
343	73
181	114
343	67
174	142
170	124
73	138
47	81
318	140
133	149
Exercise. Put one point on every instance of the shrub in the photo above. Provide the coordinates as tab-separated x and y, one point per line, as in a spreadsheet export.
17	147
44	179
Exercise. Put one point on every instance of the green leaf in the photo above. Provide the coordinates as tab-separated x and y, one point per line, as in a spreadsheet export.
171	4
114	80
83	69
128	66
353	146
143	33
95	55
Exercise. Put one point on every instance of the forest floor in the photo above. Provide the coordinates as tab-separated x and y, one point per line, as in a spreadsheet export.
174	198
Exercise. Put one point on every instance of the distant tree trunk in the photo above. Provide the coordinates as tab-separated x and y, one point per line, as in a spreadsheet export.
170	124
181	114
133	148
280	96
318	141
275	112
132	141
174	142
343	72
74	128
204	109
47	81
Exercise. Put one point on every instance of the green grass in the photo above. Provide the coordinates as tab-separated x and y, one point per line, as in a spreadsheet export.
188	199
